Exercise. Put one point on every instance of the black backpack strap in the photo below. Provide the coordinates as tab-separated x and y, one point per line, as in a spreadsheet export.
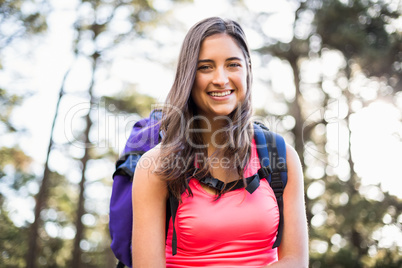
252	183
277	186
273	163
173	204
127	163
168	215
171	210
120	265
277	152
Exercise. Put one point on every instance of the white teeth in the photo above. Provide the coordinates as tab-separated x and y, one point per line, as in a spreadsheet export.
220	94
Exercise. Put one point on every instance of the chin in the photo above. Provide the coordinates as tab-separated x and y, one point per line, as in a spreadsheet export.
223	113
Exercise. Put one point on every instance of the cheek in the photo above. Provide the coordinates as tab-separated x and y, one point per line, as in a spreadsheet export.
196	87
195	95
200	81
199	86
242	82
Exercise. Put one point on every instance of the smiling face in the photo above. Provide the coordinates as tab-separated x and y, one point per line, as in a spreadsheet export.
221	78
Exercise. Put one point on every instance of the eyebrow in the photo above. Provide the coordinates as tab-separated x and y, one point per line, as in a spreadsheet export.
228	59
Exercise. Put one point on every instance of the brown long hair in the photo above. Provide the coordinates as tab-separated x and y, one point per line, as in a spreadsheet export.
180	146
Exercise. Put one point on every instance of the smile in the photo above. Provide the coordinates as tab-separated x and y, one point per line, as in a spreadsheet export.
220	94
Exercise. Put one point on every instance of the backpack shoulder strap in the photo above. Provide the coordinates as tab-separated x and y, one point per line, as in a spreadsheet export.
271	149
172	206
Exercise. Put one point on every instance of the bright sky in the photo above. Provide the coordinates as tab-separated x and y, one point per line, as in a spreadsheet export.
376	130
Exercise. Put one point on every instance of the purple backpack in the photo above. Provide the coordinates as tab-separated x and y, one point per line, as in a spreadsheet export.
144	136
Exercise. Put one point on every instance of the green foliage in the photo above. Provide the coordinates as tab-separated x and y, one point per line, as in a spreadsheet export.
21	18
16	157
349	227
12	248
346	222
131	102
58	215
361	31
7	103
95	22
364	32
358	28
386	259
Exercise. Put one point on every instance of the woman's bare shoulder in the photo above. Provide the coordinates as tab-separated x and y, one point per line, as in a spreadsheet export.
292	156
150	159
145	177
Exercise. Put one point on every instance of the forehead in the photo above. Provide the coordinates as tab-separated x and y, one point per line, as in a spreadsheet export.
220	45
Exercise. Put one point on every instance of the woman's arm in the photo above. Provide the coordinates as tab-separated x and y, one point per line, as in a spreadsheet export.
149	212
293	250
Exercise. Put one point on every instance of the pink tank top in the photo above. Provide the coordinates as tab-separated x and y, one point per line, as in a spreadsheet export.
237	230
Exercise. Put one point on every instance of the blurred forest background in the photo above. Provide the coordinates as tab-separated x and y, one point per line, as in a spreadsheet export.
75	75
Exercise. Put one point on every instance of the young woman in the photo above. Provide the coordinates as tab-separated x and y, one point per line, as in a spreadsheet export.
208	131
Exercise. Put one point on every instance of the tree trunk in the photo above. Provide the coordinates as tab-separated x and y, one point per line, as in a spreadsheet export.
295	109
76	258
356	237
42	195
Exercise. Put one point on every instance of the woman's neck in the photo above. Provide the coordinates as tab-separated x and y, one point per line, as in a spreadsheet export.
212	131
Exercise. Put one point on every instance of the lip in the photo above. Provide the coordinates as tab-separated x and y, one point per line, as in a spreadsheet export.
220	91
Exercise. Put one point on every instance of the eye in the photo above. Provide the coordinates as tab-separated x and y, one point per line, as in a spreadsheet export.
203	67
234	65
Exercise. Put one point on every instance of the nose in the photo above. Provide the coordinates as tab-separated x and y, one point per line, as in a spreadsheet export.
220	78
